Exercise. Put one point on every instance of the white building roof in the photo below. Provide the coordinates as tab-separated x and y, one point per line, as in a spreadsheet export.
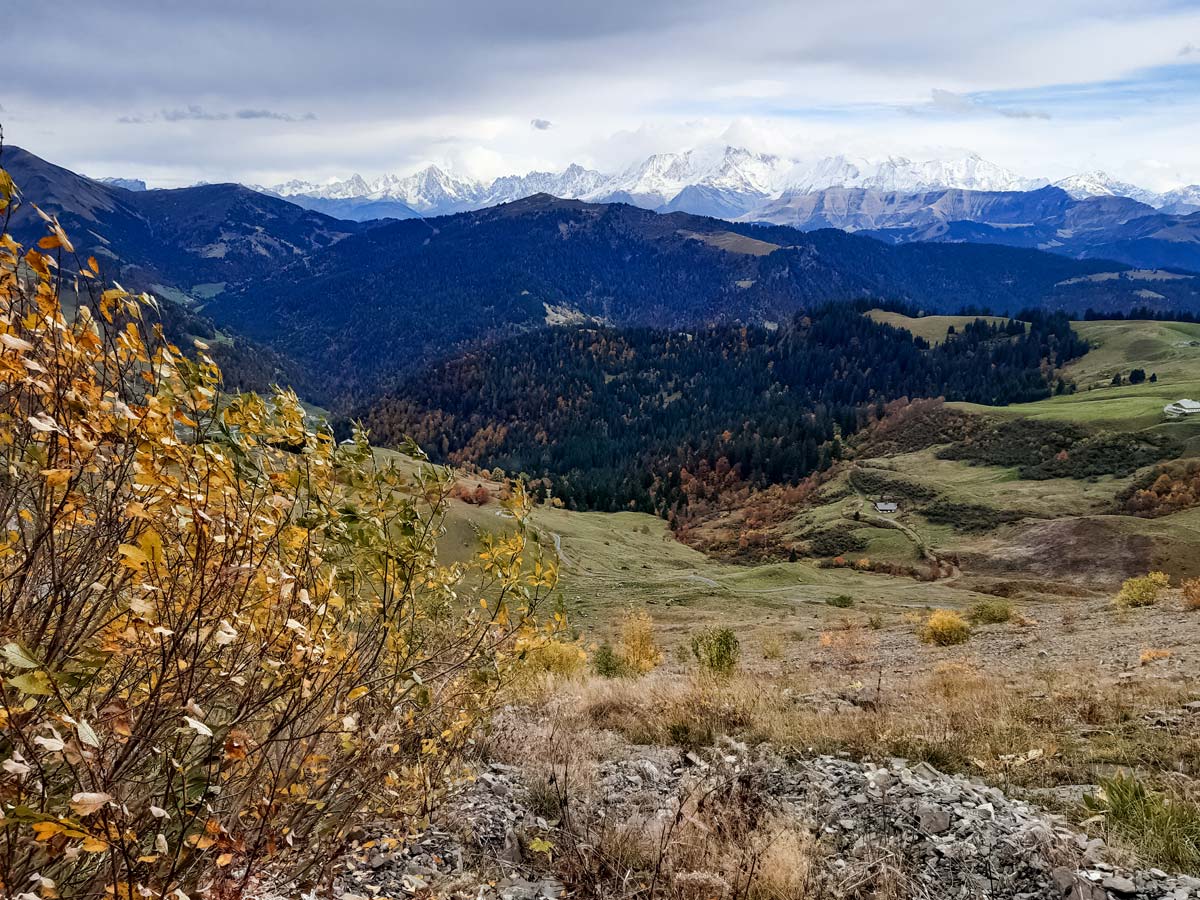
1182	407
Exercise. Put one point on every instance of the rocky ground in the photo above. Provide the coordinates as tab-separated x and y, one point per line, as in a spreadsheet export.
539	822
894	829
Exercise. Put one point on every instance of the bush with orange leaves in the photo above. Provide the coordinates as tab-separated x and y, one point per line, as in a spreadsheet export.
1191	593
221	632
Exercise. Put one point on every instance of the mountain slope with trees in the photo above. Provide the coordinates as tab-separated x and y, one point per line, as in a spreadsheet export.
617	419
417	291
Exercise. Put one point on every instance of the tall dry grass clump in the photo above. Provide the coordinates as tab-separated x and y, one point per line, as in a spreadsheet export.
1191	593
639	649
221	632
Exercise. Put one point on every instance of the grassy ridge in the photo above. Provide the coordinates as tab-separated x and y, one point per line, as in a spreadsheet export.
933	328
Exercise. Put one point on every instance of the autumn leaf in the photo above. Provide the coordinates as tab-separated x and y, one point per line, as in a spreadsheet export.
86	803
197	726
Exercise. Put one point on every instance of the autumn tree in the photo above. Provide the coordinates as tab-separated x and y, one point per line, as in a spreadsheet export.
223	634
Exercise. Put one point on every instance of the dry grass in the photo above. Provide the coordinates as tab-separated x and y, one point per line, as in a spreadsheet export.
849	646
1056	729
1153	654
772	647
720	836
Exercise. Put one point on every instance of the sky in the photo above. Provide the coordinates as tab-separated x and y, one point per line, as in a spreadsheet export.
261	91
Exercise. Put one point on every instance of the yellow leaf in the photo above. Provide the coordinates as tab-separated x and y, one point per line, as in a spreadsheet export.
94	845
224	859
56	477
357	692
43	831
134	557
152	545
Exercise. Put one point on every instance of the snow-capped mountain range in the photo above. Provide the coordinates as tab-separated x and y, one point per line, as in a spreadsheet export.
728	182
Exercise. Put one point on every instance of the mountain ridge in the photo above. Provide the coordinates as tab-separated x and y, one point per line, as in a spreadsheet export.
742	180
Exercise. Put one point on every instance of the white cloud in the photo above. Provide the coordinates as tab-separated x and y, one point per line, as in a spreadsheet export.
386	87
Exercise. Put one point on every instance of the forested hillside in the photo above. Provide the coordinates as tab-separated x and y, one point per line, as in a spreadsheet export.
616	419
416	291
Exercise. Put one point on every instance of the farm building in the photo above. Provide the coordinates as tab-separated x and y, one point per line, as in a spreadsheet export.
1181	408
886	506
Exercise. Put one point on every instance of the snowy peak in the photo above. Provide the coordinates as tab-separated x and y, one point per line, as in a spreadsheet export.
724	181
899	174
572	183
968	173
1100	184
664	176
1181	201
429	190
129	184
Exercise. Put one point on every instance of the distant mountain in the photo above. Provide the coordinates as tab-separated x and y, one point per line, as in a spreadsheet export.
429	191
1099	184
728	182
385	301
1098	226
571	183
210	236
1181	201
130	184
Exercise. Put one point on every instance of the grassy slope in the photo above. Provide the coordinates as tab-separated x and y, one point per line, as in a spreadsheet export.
933	328
615	561
1169	349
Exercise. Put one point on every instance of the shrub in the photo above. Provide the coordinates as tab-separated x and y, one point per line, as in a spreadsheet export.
607	663
1191	593
841	601
640	653
991	612
945	627
968	517
220	626
1144	591
835	541
717	650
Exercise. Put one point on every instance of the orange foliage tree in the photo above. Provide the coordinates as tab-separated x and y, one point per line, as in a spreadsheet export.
222	634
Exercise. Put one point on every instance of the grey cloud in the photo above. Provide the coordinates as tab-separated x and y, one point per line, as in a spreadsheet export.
192	112
541	124
1189	50
196	113
271	114
950	103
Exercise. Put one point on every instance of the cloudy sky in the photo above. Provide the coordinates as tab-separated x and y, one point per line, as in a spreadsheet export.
176	91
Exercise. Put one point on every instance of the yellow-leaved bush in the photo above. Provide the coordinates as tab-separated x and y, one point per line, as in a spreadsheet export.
223	635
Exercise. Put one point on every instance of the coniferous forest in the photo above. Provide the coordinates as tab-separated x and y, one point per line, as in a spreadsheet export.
610	419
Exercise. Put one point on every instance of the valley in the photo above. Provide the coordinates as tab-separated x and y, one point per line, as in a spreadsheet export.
747	556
